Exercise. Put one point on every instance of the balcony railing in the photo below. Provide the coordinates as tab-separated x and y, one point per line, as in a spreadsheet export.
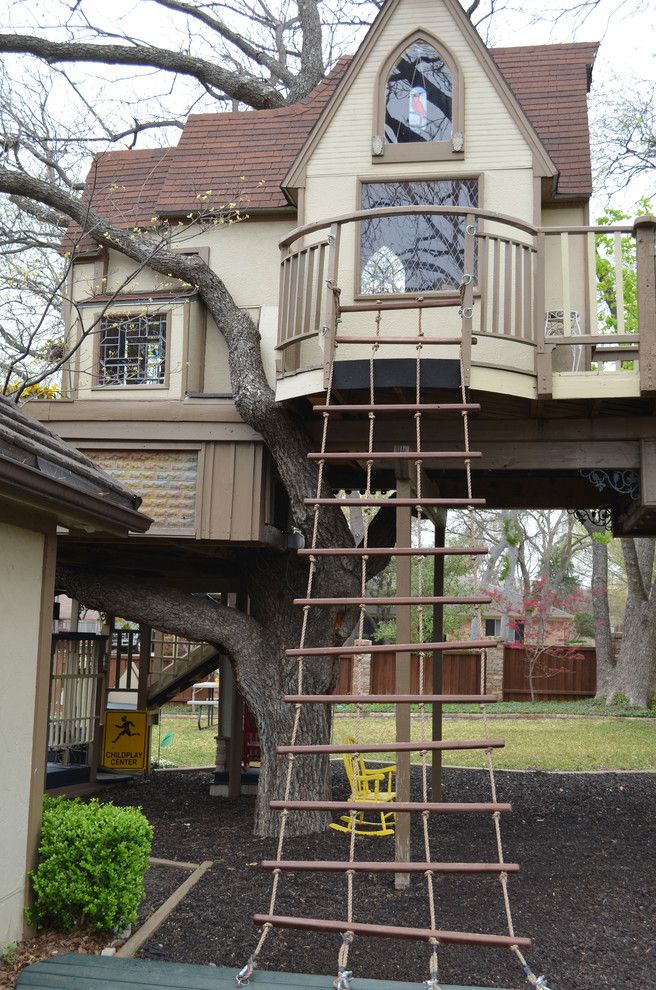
590	290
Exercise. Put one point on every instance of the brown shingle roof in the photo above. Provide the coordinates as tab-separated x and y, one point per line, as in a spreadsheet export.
551	84
244	156
34	460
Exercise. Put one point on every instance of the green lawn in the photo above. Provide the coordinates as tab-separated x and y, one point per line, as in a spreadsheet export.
188	747
585	706
543	744
587	743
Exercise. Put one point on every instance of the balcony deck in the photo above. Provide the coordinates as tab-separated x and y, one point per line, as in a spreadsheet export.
516	283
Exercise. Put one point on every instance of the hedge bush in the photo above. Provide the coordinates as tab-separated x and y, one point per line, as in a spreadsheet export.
92	861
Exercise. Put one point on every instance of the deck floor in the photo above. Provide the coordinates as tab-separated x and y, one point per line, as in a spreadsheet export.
88	972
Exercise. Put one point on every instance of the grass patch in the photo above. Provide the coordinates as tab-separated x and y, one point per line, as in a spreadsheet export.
189	746
585	743
545	744
585	706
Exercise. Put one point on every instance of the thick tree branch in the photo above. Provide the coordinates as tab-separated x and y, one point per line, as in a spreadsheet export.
196	617
237	85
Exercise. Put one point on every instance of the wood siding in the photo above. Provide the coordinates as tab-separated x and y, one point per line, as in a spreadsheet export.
460	674
562	680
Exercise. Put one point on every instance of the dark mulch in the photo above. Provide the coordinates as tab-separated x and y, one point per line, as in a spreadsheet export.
159	882
586	842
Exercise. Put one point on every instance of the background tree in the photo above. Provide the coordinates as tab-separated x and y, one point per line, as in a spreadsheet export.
530	617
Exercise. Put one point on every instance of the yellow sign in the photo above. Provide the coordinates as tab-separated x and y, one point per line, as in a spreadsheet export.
125	740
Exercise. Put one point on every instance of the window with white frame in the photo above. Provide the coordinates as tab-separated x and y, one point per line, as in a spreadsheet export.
132	349
414	252
493	627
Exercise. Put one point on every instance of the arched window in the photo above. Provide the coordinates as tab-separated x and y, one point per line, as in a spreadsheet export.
419	97
419	109
383	272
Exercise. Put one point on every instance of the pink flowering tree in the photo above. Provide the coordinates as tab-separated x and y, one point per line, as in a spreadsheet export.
532	619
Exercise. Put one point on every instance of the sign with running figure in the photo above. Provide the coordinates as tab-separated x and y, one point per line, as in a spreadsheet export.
125	740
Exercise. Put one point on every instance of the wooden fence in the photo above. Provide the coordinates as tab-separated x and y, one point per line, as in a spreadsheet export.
461	674
562	679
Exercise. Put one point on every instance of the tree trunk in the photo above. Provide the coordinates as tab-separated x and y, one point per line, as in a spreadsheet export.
601	614
635	672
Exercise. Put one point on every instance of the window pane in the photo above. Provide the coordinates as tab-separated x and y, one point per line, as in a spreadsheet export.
419	97
132	350
416	253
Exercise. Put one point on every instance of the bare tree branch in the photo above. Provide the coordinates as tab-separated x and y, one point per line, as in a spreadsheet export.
240	86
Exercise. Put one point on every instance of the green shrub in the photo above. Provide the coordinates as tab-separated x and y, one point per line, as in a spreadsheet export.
92	861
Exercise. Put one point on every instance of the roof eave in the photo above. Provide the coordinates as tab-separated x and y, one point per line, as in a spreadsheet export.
71	507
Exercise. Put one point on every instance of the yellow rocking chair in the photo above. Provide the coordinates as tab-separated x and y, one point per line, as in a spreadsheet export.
368	784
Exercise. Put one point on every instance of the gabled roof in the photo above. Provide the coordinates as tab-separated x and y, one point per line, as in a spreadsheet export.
38	468
244	157
551	83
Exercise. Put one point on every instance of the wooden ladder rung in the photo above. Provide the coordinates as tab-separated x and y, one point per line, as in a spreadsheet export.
397	503
419	600
392	931
439	302
394	407
383	339
395	455
335	866
391	699
320	651
392	551
411	807
396	747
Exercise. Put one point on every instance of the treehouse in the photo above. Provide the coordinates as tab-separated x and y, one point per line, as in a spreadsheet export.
427	186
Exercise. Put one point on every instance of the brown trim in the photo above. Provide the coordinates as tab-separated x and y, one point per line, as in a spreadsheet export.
186	330
118	312
70	506
196	409
100	270
41	701
544	163
202	252
420	150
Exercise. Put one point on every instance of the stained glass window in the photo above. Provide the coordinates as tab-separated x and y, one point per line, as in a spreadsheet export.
416	252
419	97
132	350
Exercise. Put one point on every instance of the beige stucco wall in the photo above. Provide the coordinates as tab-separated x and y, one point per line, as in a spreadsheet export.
247	258
21	579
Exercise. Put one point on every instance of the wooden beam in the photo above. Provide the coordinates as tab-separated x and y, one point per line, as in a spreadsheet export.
402	675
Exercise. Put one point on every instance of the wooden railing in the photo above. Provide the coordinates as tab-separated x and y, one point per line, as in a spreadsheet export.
591	288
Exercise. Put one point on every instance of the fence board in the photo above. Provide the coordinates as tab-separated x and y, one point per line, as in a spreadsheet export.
460	674
563	680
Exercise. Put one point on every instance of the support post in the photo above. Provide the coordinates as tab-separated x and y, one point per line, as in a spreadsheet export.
438	636
331	306
145	636
236	723
402	680
543	361
644	230
467	307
